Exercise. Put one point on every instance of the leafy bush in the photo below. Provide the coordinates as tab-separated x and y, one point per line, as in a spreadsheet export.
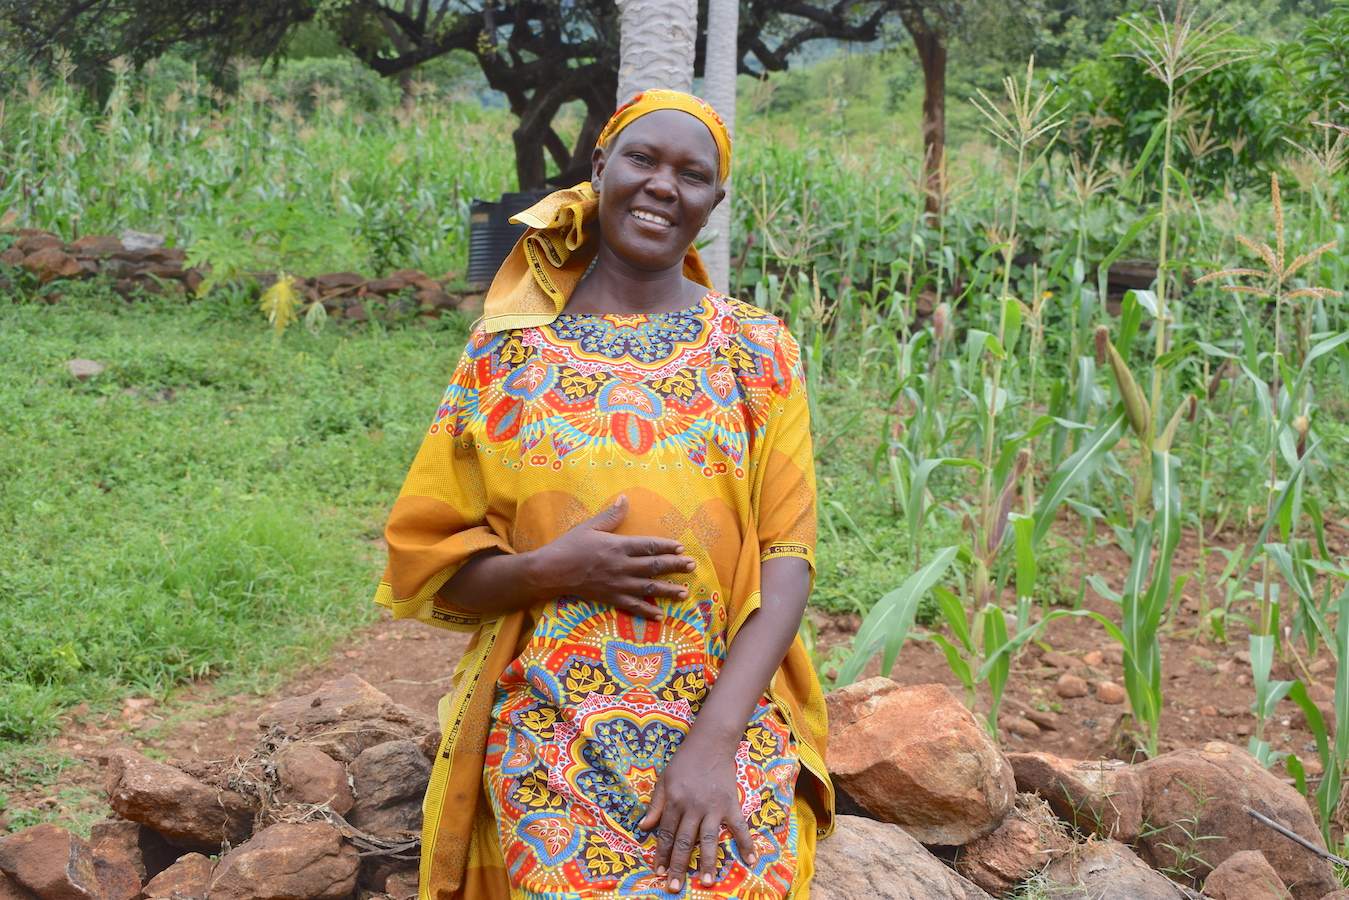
1231	131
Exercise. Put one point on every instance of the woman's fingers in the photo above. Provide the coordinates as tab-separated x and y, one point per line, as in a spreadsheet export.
709	837
642	546
638	607
684	839
744	841
654	810
610	517
664	564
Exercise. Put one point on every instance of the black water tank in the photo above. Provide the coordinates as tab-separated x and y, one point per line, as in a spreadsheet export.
491	234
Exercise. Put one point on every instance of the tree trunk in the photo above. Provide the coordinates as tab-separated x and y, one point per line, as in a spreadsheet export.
930	42
656	45
719	69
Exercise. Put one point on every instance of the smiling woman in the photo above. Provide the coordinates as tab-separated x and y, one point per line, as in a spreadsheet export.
617	497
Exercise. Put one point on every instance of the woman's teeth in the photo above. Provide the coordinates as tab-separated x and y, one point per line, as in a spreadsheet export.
651	217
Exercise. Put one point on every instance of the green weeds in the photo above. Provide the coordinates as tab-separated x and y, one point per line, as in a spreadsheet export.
199	508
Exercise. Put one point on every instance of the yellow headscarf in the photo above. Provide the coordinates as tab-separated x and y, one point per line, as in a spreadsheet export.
533	284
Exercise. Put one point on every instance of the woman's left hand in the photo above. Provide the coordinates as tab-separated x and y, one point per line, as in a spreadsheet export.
695	796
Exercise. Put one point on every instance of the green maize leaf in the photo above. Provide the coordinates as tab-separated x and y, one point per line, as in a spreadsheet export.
1294	767
1074	470
1168	435
1326	346
1279	502
1313	509
1267	693
953	612
1140	554
1016	643
1146	299
1212	350
1189	195
1099	585
915	509
1085	510
993	346
1011	321
1171	357
1130	317
890	619
998	664
1158	131
957	664
1103	270
1026	568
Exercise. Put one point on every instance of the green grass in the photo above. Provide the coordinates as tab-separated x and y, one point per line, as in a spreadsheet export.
200	507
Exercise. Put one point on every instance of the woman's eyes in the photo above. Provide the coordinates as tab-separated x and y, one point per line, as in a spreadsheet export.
645	161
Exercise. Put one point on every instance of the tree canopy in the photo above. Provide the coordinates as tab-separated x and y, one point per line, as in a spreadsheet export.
540	54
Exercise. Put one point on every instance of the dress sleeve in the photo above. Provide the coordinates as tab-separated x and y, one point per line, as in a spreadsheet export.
786	502
442	516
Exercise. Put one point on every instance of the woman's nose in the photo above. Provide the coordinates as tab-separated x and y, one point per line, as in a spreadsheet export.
661	183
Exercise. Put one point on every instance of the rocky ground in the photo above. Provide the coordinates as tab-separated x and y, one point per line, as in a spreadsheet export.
140	263
326	805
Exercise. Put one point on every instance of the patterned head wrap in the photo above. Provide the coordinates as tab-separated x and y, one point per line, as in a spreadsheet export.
537	278
650	101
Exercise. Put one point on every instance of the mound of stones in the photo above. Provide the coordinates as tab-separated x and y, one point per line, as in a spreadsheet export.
327	808
140	262
938	811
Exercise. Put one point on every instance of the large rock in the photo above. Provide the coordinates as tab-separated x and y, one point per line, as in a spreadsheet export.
36	242
11	891
1104	798
366	717
869	860
308	775
187	879
915	757
390	781
1245	876
94	245
117	875
144	848
1029	838
288	862
51	862
84	369
1106	870
52	263
190	814
1192	802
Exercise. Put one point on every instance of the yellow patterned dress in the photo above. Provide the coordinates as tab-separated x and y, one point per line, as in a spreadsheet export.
571	710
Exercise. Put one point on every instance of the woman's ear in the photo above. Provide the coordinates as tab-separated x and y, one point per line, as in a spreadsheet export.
721	195
596	168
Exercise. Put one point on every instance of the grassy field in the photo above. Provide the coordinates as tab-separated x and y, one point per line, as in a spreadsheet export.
203	505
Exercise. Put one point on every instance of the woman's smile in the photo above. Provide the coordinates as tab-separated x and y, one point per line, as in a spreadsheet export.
653	218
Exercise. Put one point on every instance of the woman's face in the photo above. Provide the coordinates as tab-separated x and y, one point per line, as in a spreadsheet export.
657	182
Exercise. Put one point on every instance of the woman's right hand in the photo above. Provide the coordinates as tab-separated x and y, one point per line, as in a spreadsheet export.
623	571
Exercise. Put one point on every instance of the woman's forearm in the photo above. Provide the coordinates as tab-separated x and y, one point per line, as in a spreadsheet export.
493	583
588	560
756	652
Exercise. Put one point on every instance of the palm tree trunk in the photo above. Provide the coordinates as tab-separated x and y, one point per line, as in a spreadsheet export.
719	70
656	45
